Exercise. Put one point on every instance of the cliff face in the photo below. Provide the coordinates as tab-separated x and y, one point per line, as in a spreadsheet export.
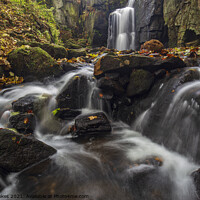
149	21
86	18
176	21
183	20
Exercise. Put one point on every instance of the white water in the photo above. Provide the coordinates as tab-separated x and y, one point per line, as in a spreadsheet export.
121	30
84	162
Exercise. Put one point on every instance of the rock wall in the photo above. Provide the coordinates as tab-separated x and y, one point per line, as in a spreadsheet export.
183	20
176	21
149	21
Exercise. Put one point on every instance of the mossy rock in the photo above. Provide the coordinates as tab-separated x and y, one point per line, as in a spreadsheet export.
76	52
54	50
71	45
34	62
140	82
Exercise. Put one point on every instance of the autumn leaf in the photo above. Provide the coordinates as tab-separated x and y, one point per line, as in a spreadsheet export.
92	117
26	120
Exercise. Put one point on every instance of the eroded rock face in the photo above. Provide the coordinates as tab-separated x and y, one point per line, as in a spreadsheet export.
183	21
18	152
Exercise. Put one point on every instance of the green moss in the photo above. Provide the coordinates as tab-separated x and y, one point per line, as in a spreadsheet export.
55	111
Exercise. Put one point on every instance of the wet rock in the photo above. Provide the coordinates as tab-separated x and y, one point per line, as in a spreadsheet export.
94	123
33	61
74	93
66	113
24	123
196	177
140	83
30	103
76	52
125	64
106	83
67	67
153	45
18	152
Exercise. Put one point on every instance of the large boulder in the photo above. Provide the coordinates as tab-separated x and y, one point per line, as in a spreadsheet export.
140	82
94	123
153	45
33	61
24	123
18	152
74	94
125	64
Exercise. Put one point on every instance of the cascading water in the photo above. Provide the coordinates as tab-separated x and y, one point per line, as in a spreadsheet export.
121	30
109	167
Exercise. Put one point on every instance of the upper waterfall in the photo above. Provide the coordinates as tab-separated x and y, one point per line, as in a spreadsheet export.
121	30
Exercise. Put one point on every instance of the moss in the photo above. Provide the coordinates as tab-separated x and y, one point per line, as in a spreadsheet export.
32	61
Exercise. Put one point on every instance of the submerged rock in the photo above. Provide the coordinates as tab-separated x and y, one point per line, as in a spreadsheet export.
33	61
140	82
24	123
74	93
94	123
18	152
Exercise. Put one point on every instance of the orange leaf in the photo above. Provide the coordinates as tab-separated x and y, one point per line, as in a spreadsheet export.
26	120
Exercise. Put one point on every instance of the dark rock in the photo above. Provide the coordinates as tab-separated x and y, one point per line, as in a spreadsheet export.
18	152
196	177
30	103
125	64
24	123
94	123
140	83
74	93
76	52
66	113
67	67
106	83
33	61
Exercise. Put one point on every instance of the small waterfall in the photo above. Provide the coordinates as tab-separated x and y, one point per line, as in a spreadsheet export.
121	31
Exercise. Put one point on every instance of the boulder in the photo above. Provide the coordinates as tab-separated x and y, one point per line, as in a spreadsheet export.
153	45
106	83
33	61
76	52
18	152
54	50
24	123
140	83
126	63
74	93
30	103
67	66
94	123
66	113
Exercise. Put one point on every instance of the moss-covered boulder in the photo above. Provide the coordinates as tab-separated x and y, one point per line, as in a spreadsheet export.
54	50
34	62
140	82
76	52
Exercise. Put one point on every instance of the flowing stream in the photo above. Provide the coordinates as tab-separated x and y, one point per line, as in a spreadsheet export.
116	166
121	29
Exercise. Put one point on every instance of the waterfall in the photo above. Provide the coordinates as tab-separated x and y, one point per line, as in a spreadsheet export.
121	30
